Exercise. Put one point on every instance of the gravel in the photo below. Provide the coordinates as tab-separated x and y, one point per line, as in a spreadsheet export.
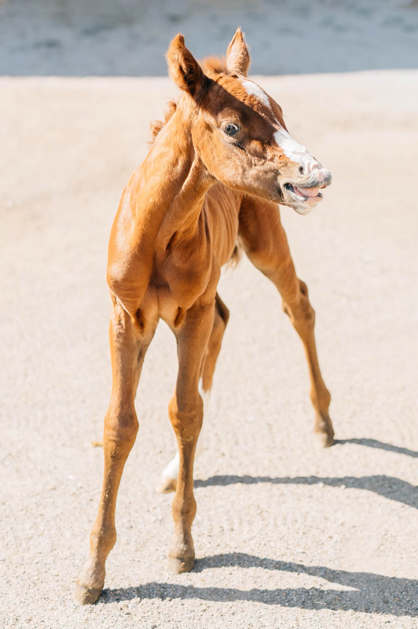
287	536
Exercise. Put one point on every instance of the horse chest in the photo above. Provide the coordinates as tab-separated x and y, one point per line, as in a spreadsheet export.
186	277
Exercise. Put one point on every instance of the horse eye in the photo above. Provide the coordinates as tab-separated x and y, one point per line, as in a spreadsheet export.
231	129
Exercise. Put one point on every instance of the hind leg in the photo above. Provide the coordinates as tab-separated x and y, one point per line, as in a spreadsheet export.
168	479
265	243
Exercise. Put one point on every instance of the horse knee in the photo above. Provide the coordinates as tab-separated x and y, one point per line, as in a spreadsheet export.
121	429
186	418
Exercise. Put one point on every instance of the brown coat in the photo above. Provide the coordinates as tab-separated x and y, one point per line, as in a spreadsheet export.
214	176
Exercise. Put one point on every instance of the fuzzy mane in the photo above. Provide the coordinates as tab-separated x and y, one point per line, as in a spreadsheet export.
157	125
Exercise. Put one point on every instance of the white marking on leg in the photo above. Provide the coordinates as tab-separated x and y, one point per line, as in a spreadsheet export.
172	469
255	90
206	397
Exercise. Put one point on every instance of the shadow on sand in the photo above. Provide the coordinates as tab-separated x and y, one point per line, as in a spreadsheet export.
369	593
386	486
374	443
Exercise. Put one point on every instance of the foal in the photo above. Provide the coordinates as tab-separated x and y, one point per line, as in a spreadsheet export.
215	173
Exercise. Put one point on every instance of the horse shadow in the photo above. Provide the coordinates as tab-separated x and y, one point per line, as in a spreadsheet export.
374	443
386	486
368	593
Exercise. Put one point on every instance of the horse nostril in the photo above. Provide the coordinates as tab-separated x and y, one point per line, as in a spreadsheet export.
301	170
327	178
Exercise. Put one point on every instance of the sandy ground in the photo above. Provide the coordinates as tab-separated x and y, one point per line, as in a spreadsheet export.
130	37
287	536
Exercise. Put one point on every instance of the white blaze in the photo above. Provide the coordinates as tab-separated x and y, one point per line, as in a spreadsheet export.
295	151
291	148
255	90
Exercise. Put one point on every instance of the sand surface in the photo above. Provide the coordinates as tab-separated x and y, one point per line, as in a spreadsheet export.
287	536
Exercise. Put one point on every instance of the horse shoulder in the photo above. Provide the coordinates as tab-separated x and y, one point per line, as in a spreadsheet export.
130	257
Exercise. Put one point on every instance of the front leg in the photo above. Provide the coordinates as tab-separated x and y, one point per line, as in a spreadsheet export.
128	344
186	416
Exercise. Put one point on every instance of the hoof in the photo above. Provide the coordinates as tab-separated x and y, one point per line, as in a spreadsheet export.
323	440
166	485
177	566
86	596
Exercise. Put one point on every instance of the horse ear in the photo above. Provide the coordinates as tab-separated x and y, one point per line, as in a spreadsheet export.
183	67
238	55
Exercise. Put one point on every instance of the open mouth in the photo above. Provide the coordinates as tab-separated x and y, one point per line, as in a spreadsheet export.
304	194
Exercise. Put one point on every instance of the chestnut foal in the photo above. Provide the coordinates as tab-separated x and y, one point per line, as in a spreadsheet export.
215	173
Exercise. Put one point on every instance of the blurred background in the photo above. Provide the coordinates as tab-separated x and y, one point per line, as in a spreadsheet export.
286	536
130	37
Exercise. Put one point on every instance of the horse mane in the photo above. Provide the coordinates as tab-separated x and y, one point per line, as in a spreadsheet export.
212	66
157	125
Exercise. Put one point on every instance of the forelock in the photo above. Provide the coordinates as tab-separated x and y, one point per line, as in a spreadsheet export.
214	66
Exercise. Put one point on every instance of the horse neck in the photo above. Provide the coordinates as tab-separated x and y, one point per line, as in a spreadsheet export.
172	184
